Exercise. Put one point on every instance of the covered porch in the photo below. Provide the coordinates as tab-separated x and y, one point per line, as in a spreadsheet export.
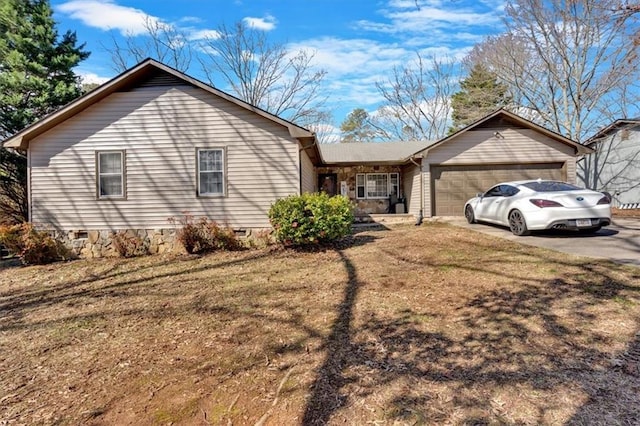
372	189
379	178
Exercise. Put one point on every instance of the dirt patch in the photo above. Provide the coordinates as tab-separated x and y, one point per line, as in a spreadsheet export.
413	325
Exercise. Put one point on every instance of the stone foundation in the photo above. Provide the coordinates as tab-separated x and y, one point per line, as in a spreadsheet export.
384	219
92	244
99	243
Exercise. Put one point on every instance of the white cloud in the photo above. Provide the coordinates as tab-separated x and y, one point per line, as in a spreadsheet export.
107	15
190	20
326	132
341	57
267	23
203	35
354	66
424	16
92	78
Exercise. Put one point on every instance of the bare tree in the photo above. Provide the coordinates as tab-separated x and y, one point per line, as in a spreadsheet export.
321	124
568	63
417	100
238	59
161	41
264	73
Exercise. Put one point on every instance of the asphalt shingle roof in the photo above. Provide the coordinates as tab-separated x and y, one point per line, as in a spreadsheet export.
370	152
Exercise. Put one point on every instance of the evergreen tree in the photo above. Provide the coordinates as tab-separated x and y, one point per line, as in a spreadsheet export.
36	78
480	94
356	127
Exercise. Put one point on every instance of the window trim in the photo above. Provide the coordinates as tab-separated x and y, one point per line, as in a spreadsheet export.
363	186
122	174
365	190
223	171
397	183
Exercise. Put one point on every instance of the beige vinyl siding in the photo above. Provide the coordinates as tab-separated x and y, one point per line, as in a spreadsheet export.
160	129
308	174
570	167
411	188
428	191
515	146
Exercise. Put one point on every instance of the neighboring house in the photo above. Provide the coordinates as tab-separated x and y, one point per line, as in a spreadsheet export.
153	143
614	166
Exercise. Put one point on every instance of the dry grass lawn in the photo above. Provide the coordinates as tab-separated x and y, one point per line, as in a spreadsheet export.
428	325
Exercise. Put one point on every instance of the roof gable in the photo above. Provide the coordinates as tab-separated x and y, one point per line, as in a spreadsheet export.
505	118
147	72
606	131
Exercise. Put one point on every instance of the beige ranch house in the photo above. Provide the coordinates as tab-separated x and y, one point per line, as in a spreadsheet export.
153	143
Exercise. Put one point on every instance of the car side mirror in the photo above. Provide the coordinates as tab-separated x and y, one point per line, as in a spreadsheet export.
480	194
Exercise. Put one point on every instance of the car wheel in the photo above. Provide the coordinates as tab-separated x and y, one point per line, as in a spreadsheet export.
517	223
468	214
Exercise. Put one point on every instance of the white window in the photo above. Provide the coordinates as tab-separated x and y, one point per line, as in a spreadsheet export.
111	176
211	172
360	189
377	185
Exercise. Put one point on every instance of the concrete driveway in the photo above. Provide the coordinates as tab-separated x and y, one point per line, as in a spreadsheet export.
619	242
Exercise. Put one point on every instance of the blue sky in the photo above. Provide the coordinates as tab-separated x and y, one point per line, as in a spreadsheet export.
358	42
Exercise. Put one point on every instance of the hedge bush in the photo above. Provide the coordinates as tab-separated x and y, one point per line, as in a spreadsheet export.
311	218
31	245
204	235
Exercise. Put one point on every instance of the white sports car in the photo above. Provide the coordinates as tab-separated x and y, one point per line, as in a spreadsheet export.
526	206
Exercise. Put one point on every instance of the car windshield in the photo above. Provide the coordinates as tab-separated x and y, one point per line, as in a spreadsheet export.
550	186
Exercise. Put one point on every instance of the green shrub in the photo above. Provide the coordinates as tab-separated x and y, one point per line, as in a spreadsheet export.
204	235
31	245
311	218
129	244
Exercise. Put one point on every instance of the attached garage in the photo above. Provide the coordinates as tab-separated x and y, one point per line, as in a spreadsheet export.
454	185
499	148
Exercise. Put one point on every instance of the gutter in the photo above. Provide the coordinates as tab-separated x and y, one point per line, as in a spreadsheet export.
303	148
420	216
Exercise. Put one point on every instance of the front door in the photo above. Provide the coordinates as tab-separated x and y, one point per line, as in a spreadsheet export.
328	183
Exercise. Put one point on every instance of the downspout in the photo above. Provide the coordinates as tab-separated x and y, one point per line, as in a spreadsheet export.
302	148
29	203
420	217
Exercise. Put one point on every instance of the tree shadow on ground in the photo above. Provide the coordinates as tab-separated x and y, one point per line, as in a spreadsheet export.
326	396
9	263
539	337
